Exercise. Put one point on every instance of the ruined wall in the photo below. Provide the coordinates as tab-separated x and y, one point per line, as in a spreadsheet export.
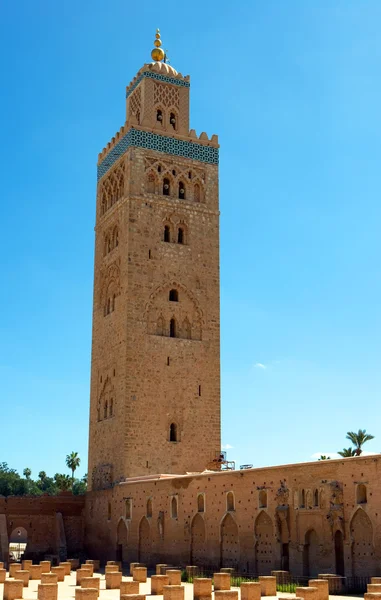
40	517
308	518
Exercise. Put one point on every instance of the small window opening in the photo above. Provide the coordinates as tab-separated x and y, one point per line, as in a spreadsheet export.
149	253
167	234
174	172
159	168
166	187
230	501
128	508
159	115
114	372
180	236
190	174
174	296
172	120
174	508
172	328
168	361
111	407
199	390
181	191
173	432
200	503
149	508
109	511
263	499
105	410
361	494
316	498
302	499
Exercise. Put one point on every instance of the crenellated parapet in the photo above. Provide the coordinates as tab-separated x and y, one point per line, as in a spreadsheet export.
160	72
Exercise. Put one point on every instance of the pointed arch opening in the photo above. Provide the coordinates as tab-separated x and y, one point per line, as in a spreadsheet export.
172	328
200	503
316	498
361	495
181	191
264	536
174	507
173	437
149	508
167	233
180	235
262	499
230	502
173	295
229	542
166	187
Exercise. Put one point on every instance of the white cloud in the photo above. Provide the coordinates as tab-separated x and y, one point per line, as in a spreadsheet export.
227	447
260	366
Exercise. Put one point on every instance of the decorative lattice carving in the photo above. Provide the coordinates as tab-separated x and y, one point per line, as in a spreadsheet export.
135	103
158	77
112	188
166	95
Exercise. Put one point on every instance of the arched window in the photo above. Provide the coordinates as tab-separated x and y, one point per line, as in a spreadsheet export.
181	191
173	432
166	187
167	233
180	235
200	503
172	328
172	120
113	302
149	508
316	498
159	115
128	508
111	407
230	501
105	410
263	499
361	494
174	507
108	306
160	326
173	295
197	193
302	502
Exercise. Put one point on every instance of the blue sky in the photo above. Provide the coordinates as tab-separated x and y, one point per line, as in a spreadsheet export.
293	90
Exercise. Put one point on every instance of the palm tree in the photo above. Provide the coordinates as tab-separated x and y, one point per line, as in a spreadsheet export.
347	452
324	457
73	461
27	473
63	482
358	440
42	476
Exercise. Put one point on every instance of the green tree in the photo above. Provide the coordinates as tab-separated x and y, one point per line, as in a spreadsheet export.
42	476
27	473
324	457
63	482
358	440
73	461
347	452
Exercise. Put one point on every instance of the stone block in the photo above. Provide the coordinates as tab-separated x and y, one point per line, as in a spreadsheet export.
49	578
23	575
250	590
335	582
45	566
3	575
226	595
74	563
322	587
66	566
372	596
13	589
307	593
132	567
89	568
133	597
26	564
157	584
372	588
13	567
60	572
202	588
113	580
375	580
115	562
111	569
86	594
173	592
140	574
91	582
79	574
268	585
158	567
174	576
47	591
95	562
221	581
129	588
35	571
1	565
282	577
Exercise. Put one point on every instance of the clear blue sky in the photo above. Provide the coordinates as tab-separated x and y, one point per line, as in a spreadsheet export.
293	90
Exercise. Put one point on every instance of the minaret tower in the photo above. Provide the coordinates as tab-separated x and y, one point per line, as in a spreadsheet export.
155	368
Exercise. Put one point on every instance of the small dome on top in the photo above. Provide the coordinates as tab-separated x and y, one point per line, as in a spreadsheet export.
163	68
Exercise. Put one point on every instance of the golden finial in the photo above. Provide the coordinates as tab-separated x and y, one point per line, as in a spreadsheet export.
157	53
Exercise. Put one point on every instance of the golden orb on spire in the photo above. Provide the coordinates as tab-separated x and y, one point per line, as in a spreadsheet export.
157	53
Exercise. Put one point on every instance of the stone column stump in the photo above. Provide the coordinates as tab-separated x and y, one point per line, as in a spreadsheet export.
226	595
372	579
133	565
13	567
157	584
140	574
3	575
88	568
86	594
45	566
60	572
173	592
268	585
66	566
334	582
35	571
96	564
47	591
372	596
113	580
250	590
13	589
322	586
80	573
133	597
221	581
129	588
202	588
49	578
91	582
307	593
111	569
372	588
74	563
158	567
174	576
191	571
26	564
24	576
282	577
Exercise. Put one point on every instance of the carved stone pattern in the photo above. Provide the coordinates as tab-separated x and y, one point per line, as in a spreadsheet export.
135	102
166	95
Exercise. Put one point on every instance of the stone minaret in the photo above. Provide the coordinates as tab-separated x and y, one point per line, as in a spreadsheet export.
155	370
